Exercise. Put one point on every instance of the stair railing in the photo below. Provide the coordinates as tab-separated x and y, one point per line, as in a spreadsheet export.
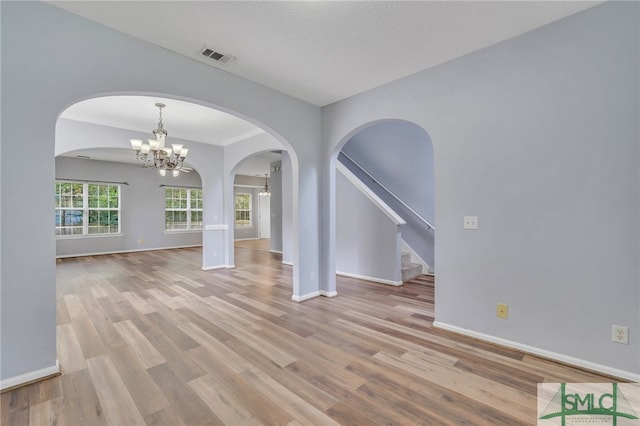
416	214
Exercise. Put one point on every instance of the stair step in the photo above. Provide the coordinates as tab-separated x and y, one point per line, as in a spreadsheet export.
411	271
405	259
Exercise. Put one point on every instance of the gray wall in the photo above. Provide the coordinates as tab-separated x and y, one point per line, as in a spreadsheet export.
142	208
538	136
37	88
399	155
367	240
275	182
287	210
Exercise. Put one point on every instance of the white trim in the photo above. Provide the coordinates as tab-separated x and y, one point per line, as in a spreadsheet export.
246	239
182	231
326	293
85	236
578	362
370	194
212	268
275	251
222	227
63	256
30	377
286	262
366	278
305	297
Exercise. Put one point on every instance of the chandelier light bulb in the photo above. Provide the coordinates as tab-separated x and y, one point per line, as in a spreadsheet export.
163	172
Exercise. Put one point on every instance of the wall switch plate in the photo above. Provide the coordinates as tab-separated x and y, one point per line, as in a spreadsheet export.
471	222
502	310
620	334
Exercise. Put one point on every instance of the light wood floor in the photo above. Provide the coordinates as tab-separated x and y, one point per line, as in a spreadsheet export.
149	338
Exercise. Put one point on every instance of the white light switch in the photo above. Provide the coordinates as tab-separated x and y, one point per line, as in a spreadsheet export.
471	222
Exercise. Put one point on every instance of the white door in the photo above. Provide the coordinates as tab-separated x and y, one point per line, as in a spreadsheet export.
265	217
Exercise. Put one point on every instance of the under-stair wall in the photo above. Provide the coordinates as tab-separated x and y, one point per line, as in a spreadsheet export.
368	240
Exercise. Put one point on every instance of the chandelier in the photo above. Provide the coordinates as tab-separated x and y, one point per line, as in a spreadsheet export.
154	153
265	190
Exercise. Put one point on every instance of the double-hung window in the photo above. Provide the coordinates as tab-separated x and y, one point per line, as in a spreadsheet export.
183	209
87	208
243	210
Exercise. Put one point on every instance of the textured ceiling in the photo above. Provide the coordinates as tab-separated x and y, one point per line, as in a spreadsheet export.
321	51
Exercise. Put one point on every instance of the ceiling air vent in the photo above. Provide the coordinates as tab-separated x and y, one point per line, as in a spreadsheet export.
220	58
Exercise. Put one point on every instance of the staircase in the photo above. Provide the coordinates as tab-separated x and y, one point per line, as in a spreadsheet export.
409	270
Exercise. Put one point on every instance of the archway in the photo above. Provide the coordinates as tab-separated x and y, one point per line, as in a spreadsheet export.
391	165
216	165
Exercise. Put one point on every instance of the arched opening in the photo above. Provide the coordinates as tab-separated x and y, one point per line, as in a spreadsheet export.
101	127
382	220
259	191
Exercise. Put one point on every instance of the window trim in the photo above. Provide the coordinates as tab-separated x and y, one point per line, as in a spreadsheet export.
188	210
85	209
250	210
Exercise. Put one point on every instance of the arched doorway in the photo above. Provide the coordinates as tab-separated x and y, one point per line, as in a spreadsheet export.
383	202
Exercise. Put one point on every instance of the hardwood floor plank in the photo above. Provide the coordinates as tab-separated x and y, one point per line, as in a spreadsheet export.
144	391
14	407
288	400
188	405
119	407
138	302
45	412
81	403
69	351
141	346
258	305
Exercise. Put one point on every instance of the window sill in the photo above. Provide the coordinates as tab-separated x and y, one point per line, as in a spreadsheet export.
81	237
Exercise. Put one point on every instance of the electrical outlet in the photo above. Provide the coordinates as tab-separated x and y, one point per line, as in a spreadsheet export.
502	310
312	275
620	334
471	222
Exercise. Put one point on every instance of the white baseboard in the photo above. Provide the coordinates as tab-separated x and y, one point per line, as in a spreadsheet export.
284	262
212	268
305	296
328	293
366	278
275	251
101	253
31	377
577	362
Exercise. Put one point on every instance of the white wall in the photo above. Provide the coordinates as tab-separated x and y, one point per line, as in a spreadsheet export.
538	136
37	88
367	240
142	204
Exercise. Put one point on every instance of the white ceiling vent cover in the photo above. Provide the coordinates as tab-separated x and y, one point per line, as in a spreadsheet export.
216	56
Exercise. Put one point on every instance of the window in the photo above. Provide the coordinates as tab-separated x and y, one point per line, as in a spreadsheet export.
183	209
243	210
87	209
